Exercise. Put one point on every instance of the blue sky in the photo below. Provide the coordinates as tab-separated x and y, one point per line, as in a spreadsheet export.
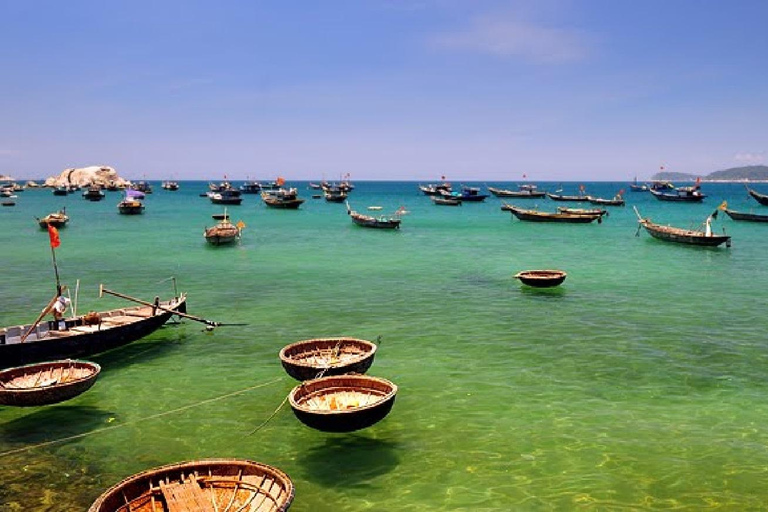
383	89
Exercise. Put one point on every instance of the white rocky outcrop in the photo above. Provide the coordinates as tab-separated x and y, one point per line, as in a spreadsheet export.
83	177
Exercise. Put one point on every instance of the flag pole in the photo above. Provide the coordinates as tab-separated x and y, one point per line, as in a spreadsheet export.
56	271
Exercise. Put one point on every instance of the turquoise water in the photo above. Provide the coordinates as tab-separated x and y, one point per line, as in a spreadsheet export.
638	384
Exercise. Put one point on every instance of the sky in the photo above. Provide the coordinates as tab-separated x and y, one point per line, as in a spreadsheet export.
383	89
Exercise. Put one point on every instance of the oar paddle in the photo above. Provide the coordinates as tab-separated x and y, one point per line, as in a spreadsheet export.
209	323
45	312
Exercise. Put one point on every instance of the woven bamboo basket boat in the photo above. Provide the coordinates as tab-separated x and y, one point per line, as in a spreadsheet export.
342	403
46	383
541	278
309	359
215	485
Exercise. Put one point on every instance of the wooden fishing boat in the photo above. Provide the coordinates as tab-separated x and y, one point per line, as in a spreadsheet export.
130	206
757	196
84	335
61	191
582	211
342	403
57	219
435	190
574	199
541	278
751	217
380	222
46	383
226	196
170	185
209	485
94	193
524	191
220	216
334	194
250	187
680	194
8	203
282	198
537	216
309	359
446	201
616	201
684	236
470	194
222	233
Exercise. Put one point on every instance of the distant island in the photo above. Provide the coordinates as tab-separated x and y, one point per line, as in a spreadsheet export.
748	173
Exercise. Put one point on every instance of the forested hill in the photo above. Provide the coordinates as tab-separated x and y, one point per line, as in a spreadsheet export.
750	172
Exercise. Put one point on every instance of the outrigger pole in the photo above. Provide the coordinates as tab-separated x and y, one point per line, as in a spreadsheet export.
209	323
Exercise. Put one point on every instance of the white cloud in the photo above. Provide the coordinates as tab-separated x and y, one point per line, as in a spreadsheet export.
750	157
515	38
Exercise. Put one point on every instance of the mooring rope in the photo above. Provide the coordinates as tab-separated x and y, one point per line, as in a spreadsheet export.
150	417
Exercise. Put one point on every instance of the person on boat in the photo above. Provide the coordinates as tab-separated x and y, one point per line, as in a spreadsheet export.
708	226
59	308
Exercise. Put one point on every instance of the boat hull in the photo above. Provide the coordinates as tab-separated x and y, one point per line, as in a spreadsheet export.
53	345
25	386
760	198
381	392
210	484
307	359
751	217
541	278
682	236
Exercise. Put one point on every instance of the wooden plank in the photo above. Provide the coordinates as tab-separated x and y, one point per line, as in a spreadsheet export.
185	497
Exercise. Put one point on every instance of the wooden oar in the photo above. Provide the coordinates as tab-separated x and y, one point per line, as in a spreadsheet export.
210	323
45	312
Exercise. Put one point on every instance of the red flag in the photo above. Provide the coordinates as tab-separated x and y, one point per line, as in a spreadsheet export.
53	233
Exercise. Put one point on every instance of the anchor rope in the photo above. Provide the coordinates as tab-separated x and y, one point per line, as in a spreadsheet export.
150	417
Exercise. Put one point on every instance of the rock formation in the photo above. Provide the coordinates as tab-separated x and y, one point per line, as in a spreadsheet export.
94	175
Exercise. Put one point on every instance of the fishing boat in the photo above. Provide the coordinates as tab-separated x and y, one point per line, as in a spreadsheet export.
751	217
143	186
224	232
83	335
8	203
537	216
226	196
637	187
334	194
616	201
435	190
582	211
541	278
574	199
93	193
525	191
380	222
661	185
250	187
309	359
57	219
208	485
342	403
282	198
170	185
684	236
757	196
469	194
131	204
680	194
46	383
61	191
446	201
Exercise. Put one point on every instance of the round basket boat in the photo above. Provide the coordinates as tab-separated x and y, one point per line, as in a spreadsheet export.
220	485
46	383
342	403
541	278
308	359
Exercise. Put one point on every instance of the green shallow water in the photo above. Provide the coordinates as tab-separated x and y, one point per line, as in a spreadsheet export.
638	384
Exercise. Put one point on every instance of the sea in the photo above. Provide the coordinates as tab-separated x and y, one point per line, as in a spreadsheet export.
638	384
